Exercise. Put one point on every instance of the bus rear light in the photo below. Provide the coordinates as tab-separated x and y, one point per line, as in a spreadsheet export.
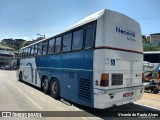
104	80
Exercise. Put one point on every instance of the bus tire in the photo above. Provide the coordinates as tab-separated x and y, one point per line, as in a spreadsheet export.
55	89
20	76
45	85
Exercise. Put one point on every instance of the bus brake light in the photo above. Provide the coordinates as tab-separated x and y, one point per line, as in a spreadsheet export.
104	80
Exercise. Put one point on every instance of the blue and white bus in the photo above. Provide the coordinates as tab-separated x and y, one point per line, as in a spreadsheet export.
152	65
98	62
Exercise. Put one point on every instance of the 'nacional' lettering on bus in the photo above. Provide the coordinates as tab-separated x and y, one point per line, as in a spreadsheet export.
125	32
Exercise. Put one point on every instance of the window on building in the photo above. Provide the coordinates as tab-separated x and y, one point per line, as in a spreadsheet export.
77	40
67	42
44	48
89	36
51	46
58	45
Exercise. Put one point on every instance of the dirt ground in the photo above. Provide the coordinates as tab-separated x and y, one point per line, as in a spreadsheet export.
150	99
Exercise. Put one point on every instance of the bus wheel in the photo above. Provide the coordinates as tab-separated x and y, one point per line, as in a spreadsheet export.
54	89
20	76
45	85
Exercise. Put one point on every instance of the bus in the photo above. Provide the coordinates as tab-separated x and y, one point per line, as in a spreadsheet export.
97	62
152	65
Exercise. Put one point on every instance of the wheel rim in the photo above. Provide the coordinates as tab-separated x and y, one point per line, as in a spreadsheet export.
54	87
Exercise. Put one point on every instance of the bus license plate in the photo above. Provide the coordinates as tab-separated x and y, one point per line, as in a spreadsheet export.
127	94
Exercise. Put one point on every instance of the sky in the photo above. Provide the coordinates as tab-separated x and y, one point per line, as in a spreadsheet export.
23	19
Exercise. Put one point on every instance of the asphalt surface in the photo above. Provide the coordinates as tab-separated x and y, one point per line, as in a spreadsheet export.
150	99
20	96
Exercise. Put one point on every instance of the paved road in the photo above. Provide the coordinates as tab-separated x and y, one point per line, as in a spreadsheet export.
19	96
150	99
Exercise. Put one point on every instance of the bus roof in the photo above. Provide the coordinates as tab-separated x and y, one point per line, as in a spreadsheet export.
84	21
152	52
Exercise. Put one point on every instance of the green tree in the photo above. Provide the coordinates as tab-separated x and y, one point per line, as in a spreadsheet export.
150	48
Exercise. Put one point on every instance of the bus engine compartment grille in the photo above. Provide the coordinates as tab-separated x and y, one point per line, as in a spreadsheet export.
117	79
84	89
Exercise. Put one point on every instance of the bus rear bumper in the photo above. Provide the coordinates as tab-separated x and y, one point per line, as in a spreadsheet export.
116	97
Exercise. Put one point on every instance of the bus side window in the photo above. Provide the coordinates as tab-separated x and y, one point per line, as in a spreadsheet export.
35	50
32	51
66	46
20	54
51	46
40	49
77	40
58	45
89	36
29	52
26	52
44	48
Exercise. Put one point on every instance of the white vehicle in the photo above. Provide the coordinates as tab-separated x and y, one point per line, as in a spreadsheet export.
98	62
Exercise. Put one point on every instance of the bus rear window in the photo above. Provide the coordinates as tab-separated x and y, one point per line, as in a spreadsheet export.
89	36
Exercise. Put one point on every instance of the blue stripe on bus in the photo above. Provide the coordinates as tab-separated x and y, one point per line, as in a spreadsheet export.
76	82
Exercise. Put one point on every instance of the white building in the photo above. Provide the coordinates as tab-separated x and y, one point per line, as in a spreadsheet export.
6	55
154	37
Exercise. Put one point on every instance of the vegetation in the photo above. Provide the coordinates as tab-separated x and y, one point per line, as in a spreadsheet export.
18	45
151	48
146	40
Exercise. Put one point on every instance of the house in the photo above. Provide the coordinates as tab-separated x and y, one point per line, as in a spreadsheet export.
154	37
6	55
